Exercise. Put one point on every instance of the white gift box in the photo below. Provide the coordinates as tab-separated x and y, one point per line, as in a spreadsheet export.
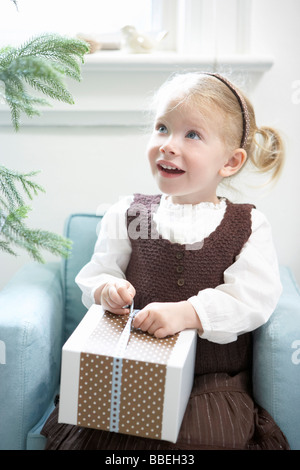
121	379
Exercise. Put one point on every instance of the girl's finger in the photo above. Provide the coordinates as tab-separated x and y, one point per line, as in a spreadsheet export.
125	295
114	298
131	290
113	307
119	311
160	333
153	328
146	322
139	318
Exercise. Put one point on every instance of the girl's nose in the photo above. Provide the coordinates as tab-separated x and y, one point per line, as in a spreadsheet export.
169	149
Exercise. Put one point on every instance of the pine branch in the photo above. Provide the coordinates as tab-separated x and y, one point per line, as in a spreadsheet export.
41	63
15	232
15	2
60	51
4	246
13	211
8	181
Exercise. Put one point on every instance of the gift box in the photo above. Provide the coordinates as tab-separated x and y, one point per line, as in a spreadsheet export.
120	379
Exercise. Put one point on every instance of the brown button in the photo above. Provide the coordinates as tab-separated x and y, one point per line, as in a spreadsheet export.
180	282
179	255
180	269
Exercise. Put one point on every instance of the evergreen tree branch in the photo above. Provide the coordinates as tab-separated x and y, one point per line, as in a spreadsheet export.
41	63
15	2
8	180
13	211
15	232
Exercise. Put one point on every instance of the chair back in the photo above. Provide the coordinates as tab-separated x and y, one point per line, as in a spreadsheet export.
83	230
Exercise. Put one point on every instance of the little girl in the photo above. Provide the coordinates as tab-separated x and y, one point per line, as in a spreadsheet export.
192	259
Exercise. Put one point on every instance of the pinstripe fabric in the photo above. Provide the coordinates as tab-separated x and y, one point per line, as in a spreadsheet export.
227	421
221	413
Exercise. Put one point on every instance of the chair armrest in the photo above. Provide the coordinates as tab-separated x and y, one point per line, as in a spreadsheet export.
276	361
31	332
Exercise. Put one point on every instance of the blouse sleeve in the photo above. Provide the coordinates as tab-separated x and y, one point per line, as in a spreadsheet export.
111	254
250	291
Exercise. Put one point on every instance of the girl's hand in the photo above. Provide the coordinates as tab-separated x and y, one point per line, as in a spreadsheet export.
167	318
115	295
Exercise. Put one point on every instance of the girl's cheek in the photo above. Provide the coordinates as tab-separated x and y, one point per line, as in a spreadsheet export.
152	159
150	150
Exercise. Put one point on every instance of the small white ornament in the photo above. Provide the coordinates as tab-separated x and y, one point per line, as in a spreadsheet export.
134	42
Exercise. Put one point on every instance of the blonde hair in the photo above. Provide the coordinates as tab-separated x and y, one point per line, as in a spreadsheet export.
264	145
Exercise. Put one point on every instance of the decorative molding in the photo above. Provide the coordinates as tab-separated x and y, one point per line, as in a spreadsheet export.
168	62
115	86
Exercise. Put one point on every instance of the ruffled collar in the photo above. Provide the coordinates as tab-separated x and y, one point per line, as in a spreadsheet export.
167	204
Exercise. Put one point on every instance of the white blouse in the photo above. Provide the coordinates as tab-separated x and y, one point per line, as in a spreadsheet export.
251	287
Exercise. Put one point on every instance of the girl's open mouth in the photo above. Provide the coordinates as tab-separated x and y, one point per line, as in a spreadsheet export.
169	170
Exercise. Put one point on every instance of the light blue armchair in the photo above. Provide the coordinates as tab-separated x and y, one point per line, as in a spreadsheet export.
41	306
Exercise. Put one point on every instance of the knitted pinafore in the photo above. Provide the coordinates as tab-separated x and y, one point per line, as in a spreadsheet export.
162	271
220	413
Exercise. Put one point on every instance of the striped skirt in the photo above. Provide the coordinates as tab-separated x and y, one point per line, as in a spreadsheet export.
220	415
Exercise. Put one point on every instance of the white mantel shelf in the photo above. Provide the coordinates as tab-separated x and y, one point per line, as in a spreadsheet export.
170	61
115	84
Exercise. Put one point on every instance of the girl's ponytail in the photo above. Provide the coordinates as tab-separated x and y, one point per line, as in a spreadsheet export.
268	152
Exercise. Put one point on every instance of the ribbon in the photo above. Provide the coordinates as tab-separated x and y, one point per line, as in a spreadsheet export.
117	372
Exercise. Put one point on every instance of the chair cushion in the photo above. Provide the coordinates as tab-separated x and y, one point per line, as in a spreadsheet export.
31	328
276	364
82	229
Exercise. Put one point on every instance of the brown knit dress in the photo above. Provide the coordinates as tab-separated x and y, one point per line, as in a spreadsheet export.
221	413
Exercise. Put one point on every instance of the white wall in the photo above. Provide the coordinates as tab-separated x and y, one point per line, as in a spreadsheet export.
82	167
276	30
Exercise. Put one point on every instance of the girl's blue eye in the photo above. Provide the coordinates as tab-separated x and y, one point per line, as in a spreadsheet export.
161	129
193	135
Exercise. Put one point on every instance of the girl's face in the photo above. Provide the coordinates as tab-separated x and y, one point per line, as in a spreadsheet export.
186	153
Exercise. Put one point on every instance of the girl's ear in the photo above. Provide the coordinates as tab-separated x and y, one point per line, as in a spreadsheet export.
234	163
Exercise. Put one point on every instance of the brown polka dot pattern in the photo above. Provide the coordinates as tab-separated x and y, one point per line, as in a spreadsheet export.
94	398
141	403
